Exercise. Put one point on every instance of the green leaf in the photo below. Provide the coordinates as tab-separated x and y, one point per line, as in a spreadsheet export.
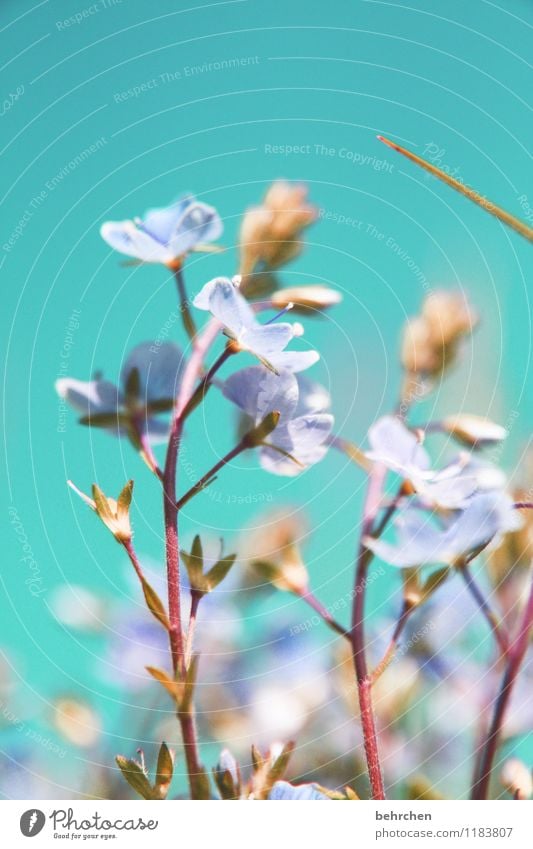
154	604
283	453
173	688
135	776
267	570
132	389
164	770
279	767
196	551
124	500
161	405
105	420
258	761
434	581
218	572
102	505
258	434
189	684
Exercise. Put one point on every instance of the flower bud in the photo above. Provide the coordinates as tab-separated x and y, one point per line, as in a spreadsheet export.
306	298
273	551
271	233
473	431
258	434
431	340
516	778
114	514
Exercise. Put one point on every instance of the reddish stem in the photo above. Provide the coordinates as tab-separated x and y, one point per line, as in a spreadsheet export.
205	479
515	657
323	612
364	681
477	594
192	371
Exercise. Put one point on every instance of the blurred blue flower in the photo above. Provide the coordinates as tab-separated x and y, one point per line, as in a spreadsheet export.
148	384
395	446
486	517
267	342
165	234
304	426
283	791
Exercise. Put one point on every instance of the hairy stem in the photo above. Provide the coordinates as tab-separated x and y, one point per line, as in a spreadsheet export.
357	634
192	371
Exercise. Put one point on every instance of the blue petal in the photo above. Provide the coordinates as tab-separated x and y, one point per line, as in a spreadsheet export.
156	430
294	360
221	297
126	237
312	397
449	493
304	438
89	397
308	434
418	541
393	445
258	392
198	223
159	368
282	791
487	516
161	222
265	340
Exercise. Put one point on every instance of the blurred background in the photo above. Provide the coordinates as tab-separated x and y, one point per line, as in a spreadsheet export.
113	107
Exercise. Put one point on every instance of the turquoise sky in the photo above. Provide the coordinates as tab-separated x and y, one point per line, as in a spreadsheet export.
113	107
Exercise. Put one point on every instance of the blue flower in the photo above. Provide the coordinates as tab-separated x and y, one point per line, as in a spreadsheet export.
165	234
221	297
395	446
304	425
282	791
486	517
148	385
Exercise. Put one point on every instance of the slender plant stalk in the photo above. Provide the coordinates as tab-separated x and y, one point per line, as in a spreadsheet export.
466	191
208	477
493	621
149	455
323	612
393	643
128	546
192	371
188	321
515	656
364	681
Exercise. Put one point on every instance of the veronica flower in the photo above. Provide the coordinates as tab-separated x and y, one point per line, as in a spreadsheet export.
393	445
484	520
165	234
221	297
148	382
304	425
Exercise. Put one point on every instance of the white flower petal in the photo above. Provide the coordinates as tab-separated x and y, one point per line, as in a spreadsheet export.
126	237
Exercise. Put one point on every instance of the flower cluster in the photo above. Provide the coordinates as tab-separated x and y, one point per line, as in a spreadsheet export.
428	518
